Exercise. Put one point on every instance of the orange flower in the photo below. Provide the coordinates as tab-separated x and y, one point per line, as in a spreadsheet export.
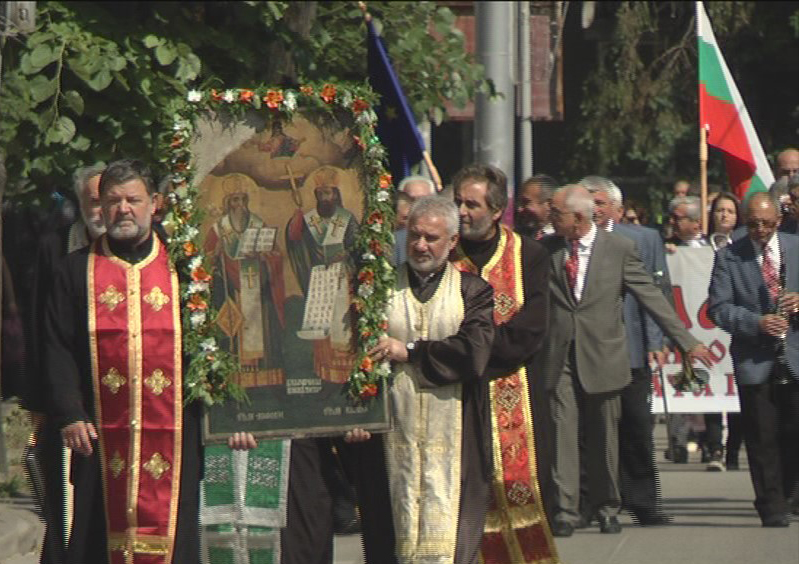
246	96
369	391
307	90
197	302
384	325
375	247
200	275
367	364
189	248
180	167
176	142
328	93
359	106
366	276
216	96
273	99
385	181
375	217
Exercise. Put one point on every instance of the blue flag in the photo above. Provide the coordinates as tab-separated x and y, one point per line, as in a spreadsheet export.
396	126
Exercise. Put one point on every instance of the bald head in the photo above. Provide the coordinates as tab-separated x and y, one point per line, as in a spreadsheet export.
787	163
762	217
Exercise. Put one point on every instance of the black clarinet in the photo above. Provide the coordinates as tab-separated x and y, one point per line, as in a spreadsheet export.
783	374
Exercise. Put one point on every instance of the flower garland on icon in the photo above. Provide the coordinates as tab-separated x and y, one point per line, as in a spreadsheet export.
209	374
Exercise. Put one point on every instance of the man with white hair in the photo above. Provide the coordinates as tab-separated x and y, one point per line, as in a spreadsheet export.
424	486
410	189
685	217
638	472
52	249
586	364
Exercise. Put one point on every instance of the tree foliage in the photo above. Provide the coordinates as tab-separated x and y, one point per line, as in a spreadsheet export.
101	80
639	106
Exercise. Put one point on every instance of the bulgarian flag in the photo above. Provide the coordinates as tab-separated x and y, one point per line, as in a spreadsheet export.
723	114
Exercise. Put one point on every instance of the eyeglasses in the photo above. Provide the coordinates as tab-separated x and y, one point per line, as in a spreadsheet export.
760	223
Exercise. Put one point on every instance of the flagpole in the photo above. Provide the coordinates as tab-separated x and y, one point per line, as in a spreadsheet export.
367	17
703	175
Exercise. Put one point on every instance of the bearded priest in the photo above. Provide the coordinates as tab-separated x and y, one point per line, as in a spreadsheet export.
114	374
423	487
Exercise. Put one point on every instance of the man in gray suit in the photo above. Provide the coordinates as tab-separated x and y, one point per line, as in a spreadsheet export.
586	363
745	292
640	488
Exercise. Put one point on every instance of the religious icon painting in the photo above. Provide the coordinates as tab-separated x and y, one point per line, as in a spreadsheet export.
284	193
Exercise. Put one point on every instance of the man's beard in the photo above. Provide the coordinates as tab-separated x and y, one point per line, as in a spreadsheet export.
126	233
477	231
95	227
325	209
427	265
239	218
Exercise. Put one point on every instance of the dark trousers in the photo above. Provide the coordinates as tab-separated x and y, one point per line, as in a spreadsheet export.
53	548
770	414
638	473
735	434
713	427
307	537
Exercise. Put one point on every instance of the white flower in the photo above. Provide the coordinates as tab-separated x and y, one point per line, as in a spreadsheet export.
195	262
197	318
377	227
172	197
365	290
366	117
195	287
194	96
345	99
229	96
290	101
383	196
368	256
192	232
209	345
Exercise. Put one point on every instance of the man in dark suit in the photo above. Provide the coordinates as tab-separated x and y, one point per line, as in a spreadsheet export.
638	473
586	363
748	300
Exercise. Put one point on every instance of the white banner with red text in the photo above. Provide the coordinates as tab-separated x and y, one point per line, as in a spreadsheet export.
690	277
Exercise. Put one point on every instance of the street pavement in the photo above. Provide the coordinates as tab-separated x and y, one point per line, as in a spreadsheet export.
714	523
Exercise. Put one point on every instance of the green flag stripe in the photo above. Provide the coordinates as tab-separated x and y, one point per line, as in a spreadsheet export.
710	72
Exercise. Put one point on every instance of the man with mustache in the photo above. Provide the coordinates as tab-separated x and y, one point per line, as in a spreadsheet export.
115	385
516	268
423	487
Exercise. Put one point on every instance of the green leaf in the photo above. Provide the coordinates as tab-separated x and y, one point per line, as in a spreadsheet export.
100	80
151	41
438	115
80	143
42	88
165	54
42	56
64	130
74	101
117	63
188	67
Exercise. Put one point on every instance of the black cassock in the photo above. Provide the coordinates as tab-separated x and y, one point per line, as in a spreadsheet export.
70	395
442	362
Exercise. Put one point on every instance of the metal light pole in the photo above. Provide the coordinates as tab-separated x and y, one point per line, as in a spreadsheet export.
494	118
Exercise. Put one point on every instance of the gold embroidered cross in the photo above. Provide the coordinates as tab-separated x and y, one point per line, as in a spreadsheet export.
156	298
251	277
157	381
317	223
111	297
337	222
116	464
157	465
113	380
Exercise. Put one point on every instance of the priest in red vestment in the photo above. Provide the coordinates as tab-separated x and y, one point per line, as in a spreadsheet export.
114	380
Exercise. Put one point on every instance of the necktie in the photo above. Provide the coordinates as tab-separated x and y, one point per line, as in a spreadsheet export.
770	274
572	265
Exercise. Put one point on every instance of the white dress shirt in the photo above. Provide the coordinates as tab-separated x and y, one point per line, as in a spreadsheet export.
585	246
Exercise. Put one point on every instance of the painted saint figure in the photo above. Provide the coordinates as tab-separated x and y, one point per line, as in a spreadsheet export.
248	288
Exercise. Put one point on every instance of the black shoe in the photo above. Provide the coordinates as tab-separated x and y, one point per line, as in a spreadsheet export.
775	521
562	529
680	455
715	464
609	525
651	518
